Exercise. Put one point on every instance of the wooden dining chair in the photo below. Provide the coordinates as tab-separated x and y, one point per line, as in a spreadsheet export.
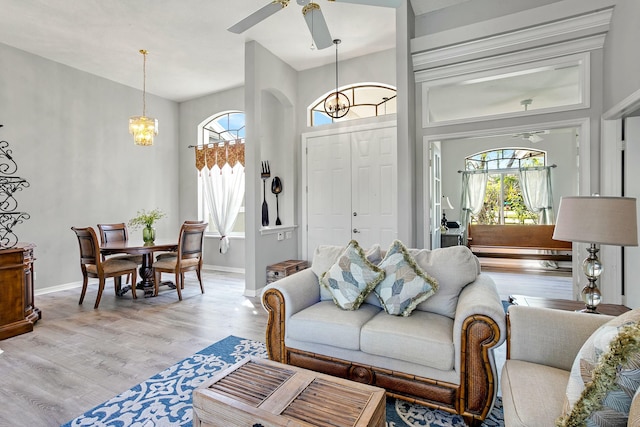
173	254
188	257
117	233
92	265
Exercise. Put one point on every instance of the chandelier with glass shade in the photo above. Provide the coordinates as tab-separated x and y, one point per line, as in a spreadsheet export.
143	128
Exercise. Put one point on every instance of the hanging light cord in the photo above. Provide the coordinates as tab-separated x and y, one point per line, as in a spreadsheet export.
144	82
337	42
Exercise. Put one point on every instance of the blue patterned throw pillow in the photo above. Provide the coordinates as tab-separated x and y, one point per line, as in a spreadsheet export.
351	278
405	285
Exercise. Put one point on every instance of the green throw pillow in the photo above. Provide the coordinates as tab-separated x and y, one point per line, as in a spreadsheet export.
405	285
351	278
605	375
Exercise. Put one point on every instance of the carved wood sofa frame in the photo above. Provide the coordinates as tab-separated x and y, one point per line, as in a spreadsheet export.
472	398
502	241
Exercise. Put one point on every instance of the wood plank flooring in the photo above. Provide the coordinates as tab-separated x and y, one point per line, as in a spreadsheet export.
78	357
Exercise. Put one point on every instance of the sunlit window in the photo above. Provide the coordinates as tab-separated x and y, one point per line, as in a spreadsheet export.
369	100
503	201
229	126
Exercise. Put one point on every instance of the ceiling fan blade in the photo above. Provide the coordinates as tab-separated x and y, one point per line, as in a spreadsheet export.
317	26
258	16
383	3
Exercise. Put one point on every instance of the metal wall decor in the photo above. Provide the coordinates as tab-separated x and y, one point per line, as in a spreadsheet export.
9	185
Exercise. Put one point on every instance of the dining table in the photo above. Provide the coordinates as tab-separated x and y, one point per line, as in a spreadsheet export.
146	249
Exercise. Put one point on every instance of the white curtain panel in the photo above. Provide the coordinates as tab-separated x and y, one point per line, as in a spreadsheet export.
224	191
474	185
536	192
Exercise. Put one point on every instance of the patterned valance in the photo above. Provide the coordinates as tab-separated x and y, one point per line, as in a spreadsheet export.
219	154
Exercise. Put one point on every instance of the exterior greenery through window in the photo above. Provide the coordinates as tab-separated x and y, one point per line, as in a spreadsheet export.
367	100
229	126
503	201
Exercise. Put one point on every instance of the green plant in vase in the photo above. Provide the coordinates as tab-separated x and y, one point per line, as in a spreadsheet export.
146	220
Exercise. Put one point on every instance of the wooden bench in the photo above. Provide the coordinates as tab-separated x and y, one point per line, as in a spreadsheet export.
517	242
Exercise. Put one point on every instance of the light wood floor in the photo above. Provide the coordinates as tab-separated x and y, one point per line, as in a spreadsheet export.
78	357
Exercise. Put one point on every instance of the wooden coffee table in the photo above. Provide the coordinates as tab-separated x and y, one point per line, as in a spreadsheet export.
565	304
260	392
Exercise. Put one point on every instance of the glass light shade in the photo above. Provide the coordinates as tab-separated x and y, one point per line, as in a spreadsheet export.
143	129
336	105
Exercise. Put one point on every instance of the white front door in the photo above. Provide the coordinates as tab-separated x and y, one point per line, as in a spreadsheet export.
328	192
351	188
374	192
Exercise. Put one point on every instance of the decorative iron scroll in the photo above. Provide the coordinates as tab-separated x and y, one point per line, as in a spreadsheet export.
9	185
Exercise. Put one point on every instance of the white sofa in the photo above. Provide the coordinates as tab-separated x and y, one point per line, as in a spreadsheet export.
541	348
440	355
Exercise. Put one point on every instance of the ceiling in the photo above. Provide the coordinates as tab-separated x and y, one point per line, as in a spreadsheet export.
191	53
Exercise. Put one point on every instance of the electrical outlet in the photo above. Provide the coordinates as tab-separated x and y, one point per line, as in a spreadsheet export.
281	236
288	234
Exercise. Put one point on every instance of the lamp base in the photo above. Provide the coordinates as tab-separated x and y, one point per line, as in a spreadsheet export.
588	310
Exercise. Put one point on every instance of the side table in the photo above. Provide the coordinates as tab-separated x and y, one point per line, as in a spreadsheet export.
565	304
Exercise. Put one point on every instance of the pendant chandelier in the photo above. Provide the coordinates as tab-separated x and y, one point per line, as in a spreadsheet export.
143	128
336	104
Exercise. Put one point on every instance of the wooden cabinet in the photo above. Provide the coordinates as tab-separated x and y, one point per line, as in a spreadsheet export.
17	310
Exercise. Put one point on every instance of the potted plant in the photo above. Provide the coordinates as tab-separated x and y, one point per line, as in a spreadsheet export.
146	219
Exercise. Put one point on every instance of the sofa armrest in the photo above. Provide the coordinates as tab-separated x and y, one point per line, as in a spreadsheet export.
549	337
479	298
479	326
283	299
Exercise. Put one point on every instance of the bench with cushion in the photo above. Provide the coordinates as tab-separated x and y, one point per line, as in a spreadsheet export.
517	242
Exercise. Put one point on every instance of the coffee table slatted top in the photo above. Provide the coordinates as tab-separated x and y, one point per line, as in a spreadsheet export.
262	392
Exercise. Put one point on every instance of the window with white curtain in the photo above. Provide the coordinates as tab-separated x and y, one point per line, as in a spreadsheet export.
227	127
503	200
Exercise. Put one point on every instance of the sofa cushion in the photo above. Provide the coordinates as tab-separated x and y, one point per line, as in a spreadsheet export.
532	393
324	323
454	268
351	278
326	255
405	285
424	338
605	374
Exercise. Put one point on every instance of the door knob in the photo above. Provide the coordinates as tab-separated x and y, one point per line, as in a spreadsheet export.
355	230
355	214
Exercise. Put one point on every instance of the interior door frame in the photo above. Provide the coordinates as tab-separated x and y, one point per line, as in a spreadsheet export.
584	168
336	129
611	184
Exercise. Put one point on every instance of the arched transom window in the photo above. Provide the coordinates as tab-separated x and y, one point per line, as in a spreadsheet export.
366	100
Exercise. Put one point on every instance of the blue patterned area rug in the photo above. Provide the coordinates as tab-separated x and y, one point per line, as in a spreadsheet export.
165	399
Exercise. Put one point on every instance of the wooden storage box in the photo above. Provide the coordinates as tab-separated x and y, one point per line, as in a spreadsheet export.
262	392
284	269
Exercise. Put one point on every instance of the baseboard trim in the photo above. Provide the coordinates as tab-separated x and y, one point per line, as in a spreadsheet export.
74	285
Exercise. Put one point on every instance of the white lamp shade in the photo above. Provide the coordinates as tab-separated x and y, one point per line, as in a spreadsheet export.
596	219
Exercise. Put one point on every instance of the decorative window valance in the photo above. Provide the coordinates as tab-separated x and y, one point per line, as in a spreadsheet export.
219	154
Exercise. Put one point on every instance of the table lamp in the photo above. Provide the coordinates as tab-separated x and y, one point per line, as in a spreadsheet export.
596	220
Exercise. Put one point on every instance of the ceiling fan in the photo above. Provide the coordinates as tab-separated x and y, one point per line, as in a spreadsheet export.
312	15
533	136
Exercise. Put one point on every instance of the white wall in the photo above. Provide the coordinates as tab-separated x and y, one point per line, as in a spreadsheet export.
68	131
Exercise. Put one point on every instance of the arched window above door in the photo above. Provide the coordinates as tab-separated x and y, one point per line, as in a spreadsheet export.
365	99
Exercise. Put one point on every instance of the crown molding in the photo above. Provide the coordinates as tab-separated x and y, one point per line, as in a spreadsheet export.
586	26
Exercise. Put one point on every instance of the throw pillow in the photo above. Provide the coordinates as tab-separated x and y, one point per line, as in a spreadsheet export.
351	278
405	285
605	375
